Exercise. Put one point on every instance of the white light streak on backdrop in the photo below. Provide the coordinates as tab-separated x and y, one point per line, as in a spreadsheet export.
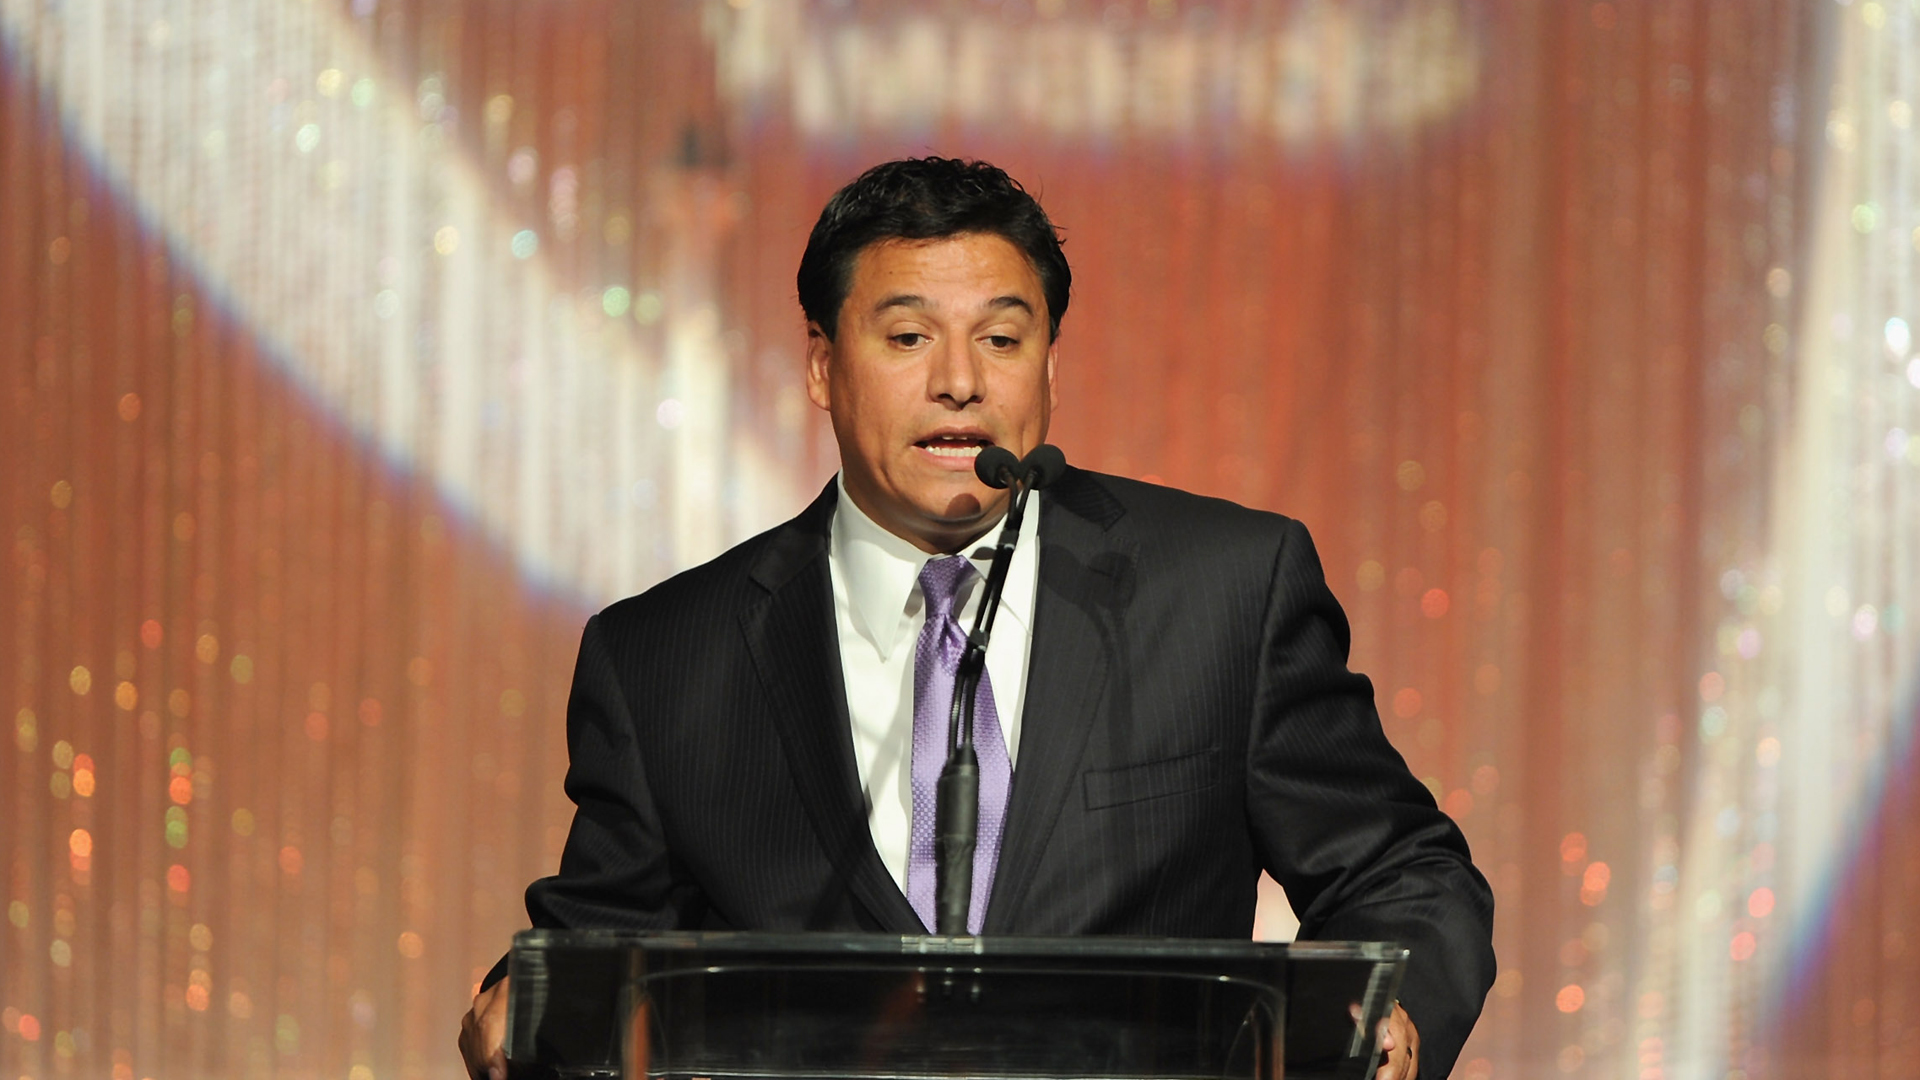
332	212
1807	707
1317	74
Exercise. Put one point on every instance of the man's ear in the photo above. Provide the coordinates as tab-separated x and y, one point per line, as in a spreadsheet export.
1053	387
819	366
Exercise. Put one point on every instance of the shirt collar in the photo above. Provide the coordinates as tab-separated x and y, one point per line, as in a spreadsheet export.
882	571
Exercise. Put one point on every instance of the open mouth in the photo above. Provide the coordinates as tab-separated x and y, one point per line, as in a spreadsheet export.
955	446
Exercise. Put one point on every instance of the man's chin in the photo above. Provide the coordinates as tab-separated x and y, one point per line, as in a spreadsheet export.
953	499
944	514
979	506
959	510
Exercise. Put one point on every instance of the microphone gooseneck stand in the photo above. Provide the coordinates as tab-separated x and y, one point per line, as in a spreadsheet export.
957	799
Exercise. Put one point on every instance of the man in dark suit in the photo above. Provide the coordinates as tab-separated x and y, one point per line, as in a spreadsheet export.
1167	709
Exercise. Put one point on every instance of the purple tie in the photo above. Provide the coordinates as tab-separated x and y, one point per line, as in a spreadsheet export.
936	662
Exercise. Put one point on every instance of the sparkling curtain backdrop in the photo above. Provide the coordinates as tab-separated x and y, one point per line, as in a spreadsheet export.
354	351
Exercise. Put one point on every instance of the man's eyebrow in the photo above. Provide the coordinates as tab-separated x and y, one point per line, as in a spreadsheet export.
905	300
919	303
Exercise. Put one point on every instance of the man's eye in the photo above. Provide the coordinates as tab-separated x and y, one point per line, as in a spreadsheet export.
1002	341
909	340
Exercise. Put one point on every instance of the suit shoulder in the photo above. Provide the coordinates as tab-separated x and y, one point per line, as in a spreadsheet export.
1156	508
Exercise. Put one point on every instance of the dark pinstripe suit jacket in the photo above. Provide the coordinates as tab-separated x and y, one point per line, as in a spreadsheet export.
1189	720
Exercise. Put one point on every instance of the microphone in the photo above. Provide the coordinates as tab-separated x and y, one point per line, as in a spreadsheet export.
998	468
1044	465
956	809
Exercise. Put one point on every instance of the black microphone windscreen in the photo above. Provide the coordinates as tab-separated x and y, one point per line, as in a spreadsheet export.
996	466
1044	465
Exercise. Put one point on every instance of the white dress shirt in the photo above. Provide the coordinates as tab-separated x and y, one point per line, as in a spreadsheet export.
879	612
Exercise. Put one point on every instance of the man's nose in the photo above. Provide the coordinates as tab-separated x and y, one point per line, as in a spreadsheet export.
954	374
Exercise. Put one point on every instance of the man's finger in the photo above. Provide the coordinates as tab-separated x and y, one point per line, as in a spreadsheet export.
1408	1038
482	1033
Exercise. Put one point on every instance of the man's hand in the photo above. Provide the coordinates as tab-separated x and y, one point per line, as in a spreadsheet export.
1399	1047
483	1031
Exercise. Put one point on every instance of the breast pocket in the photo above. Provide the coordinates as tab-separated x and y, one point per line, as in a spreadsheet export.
1152	779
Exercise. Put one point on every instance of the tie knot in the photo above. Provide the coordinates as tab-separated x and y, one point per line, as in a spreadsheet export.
940	580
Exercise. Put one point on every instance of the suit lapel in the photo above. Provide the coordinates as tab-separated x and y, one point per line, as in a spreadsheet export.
795	647
1084	576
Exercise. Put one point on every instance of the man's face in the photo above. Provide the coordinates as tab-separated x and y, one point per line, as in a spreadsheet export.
943	349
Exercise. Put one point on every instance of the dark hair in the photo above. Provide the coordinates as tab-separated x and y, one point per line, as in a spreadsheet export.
926	199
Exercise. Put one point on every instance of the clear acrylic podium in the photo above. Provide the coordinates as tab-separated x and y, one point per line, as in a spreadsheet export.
734	1006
